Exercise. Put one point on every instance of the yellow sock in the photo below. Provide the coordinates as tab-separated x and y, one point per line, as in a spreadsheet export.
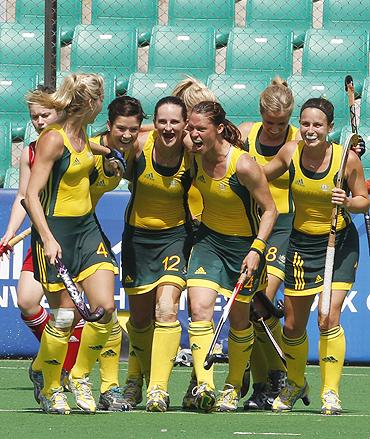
240	348
93	339
109	359
258	359
141	340
166	342
133	366
296	353
332	349
51	355
200	337
273	360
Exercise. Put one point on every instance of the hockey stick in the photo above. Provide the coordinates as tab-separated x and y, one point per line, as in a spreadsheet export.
12	242
71	288
330	249
348	85
210	357
258	318
276	311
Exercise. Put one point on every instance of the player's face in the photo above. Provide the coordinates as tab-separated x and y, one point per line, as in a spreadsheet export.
203	133
314	126
41	116
170	124
124	131
275	124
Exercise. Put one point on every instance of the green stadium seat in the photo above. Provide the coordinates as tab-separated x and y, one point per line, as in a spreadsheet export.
330	52
177	49
217	13
5	148
367	173
13	88
364	131
33	12
260	51
105	50
30	134
238	95
21	47
346	14
365	103
150	87
306	87
127	13
11	180
287	15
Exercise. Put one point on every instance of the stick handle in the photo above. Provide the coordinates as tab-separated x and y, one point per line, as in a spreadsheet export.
18	238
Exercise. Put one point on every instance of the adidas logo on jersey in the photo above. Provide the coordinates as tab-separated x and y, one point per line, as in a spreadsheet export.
200	270
128	278
73	339
330	359
318	279
76	162
299	182
222	186
201	178
97	347
149	176
53	362
100	183
109	353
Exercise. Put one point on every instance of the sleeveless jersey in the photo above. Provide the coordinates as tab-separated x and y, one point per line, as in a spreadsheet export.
67	191
264	154
100	182
228	206
158	201
312	194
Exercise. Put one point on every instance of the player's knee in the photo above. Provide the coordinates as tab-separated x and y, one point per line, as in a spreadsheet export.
27	306
291	331
199	312
62	318
166	311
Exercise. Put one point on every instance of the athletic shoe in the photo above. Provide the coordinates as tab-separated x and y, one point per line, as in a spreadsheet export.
228	399
113	401
56	404
205	397
259	400
189	400
157	400
37	381
276	381
132	392
289	396
81	389
330	403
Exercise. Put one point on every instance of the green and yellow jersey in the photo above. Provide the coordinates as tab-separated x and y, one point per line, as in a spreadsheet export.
263	154
67	192
312	194
229	208
159	197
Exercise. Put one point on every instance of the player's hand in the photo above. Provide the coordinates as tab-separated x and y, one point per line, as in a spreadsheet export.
339	197
3	245
251	262
360	148
118	161
52	250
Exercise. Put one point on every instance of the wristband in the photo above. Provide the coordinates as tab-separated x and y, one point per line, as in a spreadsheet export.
258	245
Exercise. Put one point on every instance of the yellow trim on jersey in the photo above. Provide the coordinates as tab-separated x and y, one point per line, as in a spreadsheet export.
204	283
275	272
338	286
167	279
41	262
54	288
279	187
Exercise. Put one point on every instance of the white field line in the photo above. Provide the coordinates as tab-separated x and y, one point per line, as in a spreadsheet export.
256	433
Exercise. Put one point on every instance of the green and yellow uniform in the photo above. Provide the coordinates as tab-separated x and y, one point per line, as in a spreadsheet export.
305	261
280	191
68	210
230	222
156	240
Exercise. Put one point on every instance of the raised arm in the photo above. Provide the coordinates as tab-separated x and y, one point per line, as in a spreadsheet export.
280	163
49	149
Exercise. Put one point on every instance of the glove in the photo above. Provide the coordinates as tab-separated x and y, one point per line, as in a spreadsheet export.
118	157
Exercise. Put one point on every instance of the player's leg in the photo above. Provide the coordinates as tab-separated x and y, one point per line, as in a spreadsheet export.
295	348
133	389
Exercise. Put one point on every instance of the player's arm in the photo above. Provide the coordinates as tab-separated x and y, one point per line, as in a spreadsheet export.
281	162
50	148
98	149
245	129
18	214
251	176
358	202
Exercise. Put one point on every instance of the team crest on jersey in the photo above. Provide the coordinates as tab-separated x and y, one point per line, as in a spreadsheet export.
173	183
100	183
222	186
201	178
325	187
